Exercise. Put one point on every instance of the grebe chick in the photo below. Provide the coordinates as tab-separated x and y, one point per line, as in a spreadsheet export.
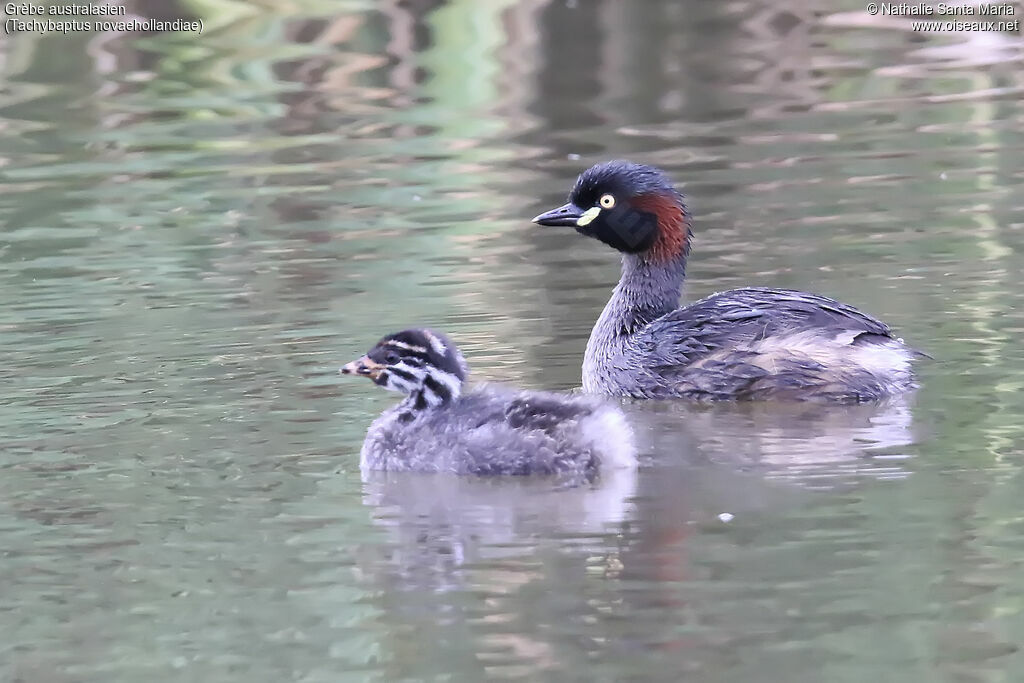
750	343
490	430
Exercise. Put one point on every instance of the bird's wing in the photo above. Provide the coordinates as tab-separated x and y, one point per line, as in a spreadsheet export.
716	335
750	315
495	406
543	412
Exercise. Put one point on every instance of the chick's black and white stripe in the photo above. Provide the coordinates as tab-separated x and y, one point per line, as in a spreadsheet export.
422	364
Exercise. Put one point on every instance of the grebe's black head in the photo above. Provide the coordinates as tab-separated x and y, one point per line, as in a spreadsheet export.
418	362
630	207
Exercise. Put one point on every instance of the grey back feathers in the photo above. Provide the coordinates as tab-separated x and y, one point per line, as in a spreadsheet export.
489	430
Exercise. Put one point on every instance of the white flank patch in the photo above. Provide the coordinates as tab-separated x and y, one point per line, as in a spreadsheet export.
846	337
883	359
880	359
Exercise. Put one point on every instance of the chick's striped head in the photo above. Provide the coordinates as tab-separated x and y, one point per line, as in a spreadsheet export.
416	362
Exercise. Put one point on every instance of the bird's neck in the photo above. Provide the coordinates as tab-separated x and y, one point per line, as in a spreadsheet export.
646	291
438	389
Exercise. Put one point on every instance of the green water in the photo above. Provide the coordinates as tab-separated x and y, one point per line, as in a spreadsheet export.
199	230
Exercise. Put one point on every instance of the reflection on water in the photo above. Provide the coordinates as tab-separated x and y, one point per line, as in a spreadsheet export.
458	521
197	231
795	441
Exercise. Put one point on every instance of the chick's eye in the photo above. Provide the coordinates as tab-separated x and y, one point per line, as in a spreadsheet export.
607	201
391	358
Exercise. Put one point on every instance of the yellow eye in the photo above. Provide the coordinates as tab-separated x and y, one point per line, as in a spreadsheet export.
607	201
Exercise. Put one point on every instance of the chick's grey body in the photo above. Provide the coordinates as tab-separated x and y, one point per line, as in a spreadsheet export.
752	343
494	430
491	430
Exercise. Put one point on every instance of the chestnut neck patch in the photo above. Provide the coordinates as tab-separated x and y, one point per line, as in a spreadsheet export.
673	240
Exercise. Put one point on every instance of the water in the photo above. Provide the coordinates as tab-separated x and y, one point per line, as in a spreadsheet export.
198	231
